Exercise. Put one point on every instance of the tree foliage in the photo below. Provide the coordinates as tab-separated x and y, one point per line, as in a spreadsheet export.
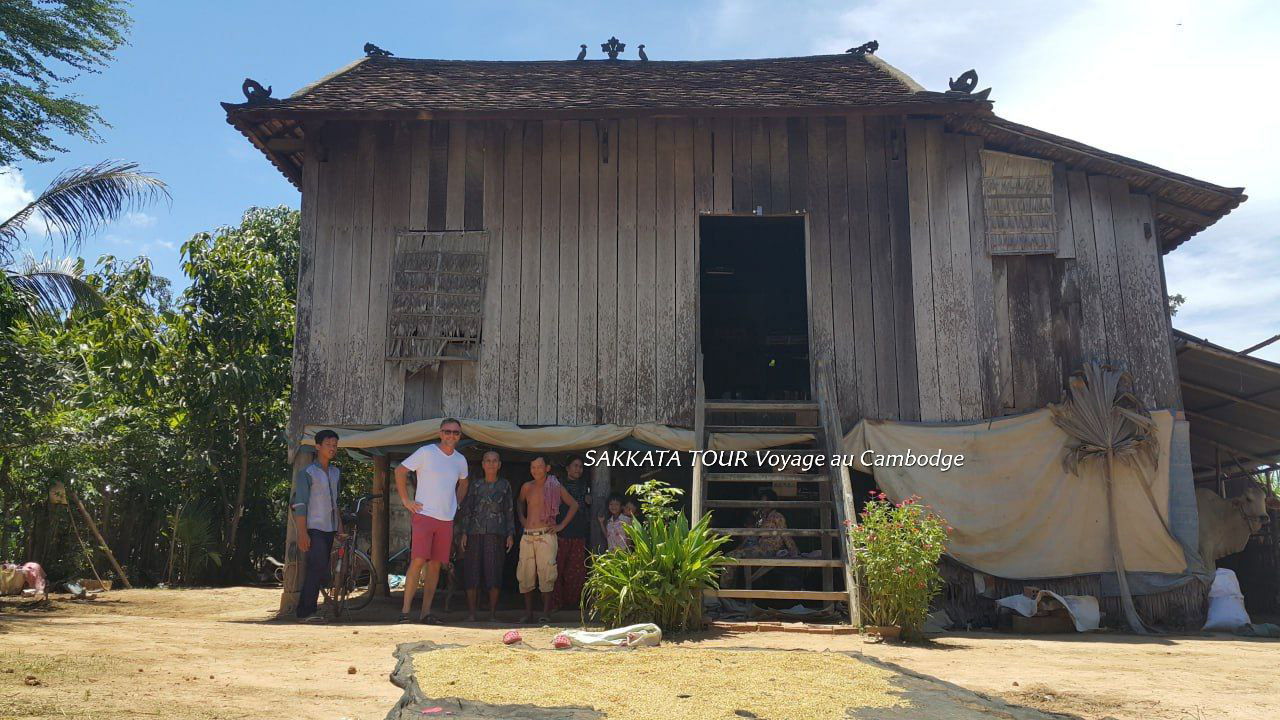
165	414
44	45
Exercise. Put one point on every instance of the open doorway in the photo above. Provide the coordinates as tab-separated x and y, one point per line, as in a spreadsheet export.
754	308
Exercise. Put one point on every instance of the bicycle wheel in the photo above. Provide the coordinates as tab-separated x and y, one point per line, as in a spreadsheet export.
332	591
359	581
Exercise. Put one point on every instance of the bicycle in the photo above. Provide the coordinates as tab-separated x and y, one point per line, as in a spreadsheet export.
352	581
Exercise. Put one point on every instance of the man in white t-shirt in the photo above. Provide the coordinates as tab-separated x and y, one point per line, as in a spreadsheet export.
442	483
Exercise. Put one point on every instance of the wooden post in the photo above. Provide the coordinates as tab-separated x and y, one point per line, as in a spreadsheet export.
93	527
843	490
699	440
381	526
294	566
601	489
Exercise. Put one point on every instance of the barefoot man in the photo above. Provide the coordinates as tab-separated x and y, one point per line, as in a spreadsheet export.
442	484
538	505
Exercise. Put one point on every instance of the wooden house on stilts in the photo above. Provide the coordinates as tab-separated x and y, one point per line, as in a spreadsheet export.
705	254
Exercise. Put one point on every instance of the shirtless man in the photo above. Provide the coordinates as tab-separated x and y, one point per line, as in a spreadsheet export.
537	507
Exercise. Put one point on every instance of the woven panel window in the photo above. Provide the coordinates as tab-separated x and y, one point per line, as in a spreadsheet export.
437	294
1017	200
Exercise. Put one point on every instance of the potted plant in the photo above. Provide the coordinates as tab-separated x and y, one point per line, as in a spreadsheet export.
661	576
897	547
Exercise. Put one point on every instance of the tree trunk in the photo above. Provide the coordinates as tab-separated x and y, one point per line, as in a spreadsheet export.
233	524
5	510
1117	555
93	527
173	544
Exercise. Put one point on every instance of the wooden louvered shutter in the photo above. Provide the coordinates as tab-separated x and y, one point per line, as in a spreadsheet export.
1017	199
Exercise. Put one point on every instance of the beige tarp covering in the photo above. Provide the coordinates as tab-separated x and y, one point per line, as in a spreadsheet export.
1016	512
551	439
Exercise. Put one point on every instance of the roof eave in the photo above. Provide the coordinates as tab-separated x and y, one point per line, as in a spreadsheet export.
289	163
1183	205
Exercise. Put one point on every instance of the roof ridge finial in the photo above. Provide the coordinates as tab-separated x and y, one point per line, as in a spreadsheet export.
612	48
866	48
254	93
965	84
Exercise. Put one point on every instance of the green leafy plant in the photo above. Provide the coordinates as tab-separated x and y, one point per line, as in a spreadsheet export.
660	578
191	531
897	547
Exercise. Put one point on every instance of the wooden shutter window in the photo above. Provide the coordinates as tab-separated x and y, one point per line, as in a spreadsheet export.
437	294
1017	200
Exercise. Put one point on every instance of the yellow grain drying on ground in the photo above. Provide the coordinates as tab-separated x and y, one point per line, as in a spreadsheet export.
697	684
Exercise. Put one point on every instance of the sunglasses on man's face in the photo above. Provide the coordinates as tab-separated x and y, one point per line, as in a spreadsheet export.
450	432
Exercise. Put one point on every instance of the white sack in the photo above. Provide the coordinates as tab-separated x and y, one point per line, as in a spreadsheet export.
629	636
1226	603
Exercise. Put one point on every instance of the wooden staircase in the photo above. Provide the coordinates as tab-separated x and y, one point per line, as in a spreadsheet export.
833	506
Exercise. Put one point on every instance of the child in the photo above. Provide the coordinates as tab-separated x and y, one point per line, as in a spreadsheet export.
614	525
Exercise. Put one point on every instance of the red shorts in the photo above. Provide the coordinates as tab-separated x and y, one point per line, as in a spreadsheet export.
432	538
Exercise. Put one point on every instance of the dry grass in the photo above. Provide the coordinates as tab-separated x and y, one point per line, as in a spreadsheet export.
697	684
54	673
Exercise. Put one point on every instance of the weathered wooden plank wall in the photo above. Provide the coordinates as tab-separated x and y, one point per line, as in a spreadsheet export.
590	312
1006	331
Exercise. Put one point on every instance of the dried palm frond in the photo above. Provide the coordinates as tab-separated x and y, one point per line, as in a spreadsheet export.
1105	422
1101	415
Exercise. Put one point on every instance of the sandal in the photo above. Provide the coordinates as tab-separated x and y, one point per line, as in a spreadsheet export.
430	620
404	618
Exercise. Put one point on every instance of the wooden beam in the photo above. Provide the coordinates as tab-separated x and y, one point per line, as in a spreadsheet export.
1260	345
1235	399
294	563
845	510
1201	416
380	529
699	437
1161	207
285	145
601	488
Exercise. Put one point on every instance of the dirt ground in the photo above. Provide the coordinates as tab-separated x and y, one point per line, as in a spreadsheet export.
215	653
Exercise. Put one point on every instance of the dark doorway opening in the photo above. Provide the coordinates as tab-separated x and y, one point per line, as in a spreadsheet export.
754	308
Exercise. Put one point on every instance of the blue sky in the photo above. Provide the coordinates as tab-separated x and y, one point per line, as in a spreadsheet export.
1175	83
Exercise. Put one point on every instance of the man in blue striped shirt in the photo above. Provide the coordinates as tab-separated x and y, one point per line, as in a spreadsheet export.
315	511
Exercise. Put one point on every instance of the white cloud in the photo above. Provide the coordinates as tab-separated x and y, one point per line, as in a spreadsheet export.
14	194
1179	84
137	220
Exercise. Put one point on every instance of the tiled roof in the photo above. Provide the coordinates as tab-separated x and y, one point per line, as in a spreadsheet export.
389	84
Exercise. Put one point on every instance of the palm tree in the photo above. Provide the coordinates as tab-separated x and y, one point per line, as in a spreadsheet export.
78	203
1105	422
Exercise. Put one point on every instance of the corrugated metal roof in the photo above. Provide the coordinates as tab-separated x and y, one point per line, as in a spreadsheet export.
1233	404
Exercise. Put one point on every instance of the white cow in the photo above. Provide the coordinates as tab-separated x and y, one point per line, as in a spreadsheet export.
1226	524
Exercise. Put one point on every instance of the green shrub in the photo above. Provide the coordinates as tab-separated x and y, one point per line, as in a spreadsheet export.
897	548
660	578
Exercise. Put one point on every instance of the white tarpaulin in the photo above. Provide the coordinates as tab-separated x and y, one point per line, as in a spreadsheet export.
550	439
1015	510
1083	609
